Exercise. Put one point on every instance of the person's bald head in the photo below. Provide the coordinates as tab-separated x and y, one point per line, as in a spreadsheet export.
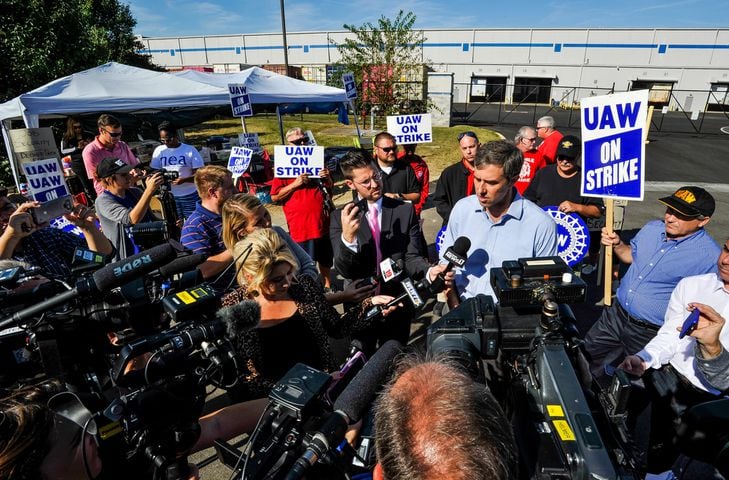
433	421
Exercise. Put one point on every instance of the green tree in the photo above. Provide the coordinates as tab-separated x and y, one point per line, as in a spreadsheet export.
387	61
44	40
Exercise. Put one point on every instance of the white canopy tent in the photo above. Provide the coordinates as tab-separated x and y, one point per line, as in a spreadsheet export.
269	87
114	87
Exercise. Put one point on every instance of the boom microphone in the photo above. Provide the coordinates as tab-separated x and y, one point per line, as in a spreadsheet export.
457	254
238	319
106	278
182	264
348	408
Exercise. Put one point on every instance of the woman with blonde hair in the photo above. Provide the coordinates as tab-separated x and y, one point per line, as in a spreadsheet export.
296	318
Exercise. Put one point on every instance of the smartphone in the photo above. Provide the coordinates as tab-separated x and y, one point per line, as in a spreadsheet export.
362	205
52	209
347	374
690	324
367	282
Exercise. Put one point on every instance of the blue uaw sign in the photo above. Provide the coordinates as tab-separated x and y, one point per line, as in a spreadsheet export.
573	236
239	160
439	239
45	179
240	102
350	87
613	153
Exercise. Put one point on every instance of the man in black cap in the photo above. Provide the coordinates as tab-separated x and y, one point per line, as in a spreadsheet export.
661	254
121	204
559	184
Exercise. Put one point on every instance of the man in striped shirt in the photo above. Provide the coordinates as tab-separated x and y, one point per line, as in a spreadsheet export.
202	231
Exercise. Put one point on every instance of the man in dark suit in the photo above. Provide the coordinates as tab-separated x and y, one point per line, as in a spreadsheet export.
361	239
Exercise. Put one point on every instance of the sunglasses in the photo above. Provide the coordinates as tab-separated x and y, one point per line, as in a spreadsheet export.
467	134
77	127
300	141
113	134
388	149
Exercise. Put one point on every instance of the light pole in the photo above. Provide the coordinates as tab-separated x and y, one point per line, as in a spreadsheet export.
285	43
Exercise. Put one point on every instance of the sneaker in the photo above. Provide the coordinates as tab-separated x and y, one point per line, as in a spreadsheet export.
438	309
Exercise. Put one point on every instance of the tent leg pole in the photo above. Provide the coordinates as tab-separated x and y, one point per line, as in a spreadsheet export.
8	148
243	124
280	125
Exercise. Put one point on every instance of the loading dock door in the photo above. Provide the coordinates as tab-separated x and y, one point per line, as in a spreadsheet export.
488	89
659	94
532	90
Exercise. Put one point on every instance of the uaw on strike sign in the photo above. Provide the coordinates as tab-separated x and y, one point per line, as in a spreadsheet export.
613	154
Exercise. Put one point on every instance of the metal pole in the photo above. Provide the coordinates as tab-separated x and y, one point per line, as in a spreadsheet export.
285	43
356	123
280	124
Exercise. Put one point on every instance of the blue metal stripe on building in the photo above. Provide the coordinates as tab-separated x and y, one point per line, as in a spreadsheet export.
610	45
443	44
681	45
547	45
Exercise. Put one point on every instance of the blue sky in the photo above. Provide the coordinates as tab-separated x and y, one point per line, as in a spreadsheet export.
210	17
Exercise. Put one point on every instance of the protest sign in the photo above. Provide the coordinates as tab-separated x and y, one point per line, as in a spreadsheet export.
239	160
410	128
350	87
240	102
45	179
613	157
290	161
250	140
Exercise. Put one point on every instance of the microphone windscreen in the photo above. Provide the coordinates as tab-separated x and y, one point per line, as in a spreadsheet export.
462	245
239	318
182	264
122	272
356	398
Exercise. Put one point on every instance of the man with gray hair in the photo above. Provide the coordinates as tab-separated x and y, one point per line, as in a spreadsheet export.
501	224
526	141
421	436
550	139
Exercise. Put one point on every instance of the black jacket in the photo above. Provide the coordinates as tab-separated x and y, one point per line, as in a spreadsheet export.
451	187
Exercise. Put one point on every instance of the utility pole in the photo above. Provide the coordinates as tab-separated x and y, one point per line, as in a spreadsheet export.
285	43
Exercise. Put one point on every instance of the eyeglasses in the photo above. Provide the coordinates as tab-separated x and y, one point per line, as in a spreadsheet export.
565	159
388	149
539	128
300	141
113	134
533	139
376	177
467	134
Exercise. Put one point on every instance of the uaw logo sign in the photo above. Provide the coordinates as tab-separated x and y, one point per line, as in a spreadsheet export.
439	239
573	237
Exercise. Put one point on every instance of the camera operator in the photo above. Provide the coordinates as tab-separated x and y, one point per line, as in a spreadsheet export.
48	248
121	204
38	441
683	368
432	422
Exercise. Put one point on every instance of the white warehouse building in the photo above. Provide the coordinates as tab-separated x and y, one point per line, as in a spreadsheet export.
685	69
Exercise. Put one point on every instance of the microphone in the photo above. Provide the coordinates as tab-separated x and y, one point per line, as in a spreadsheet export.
457	254
106	278
349	407
11	298
182	264
238	319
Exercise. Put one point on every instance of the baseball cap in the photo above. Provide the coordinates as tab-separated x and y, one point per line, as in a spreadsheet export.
691	201
110	165
569	147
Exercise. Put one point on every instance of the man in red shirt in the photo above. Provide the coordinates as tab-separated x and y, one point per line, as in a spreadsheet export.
526	142
107	144
306	205
422	174
550	139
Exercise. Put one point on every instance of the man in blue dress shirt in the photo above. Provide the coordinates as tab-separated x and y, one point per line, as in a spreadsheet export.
661	254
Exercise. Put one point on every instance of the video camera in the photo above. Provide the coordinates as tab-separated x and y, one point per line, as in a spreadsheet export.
533	366
168	176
